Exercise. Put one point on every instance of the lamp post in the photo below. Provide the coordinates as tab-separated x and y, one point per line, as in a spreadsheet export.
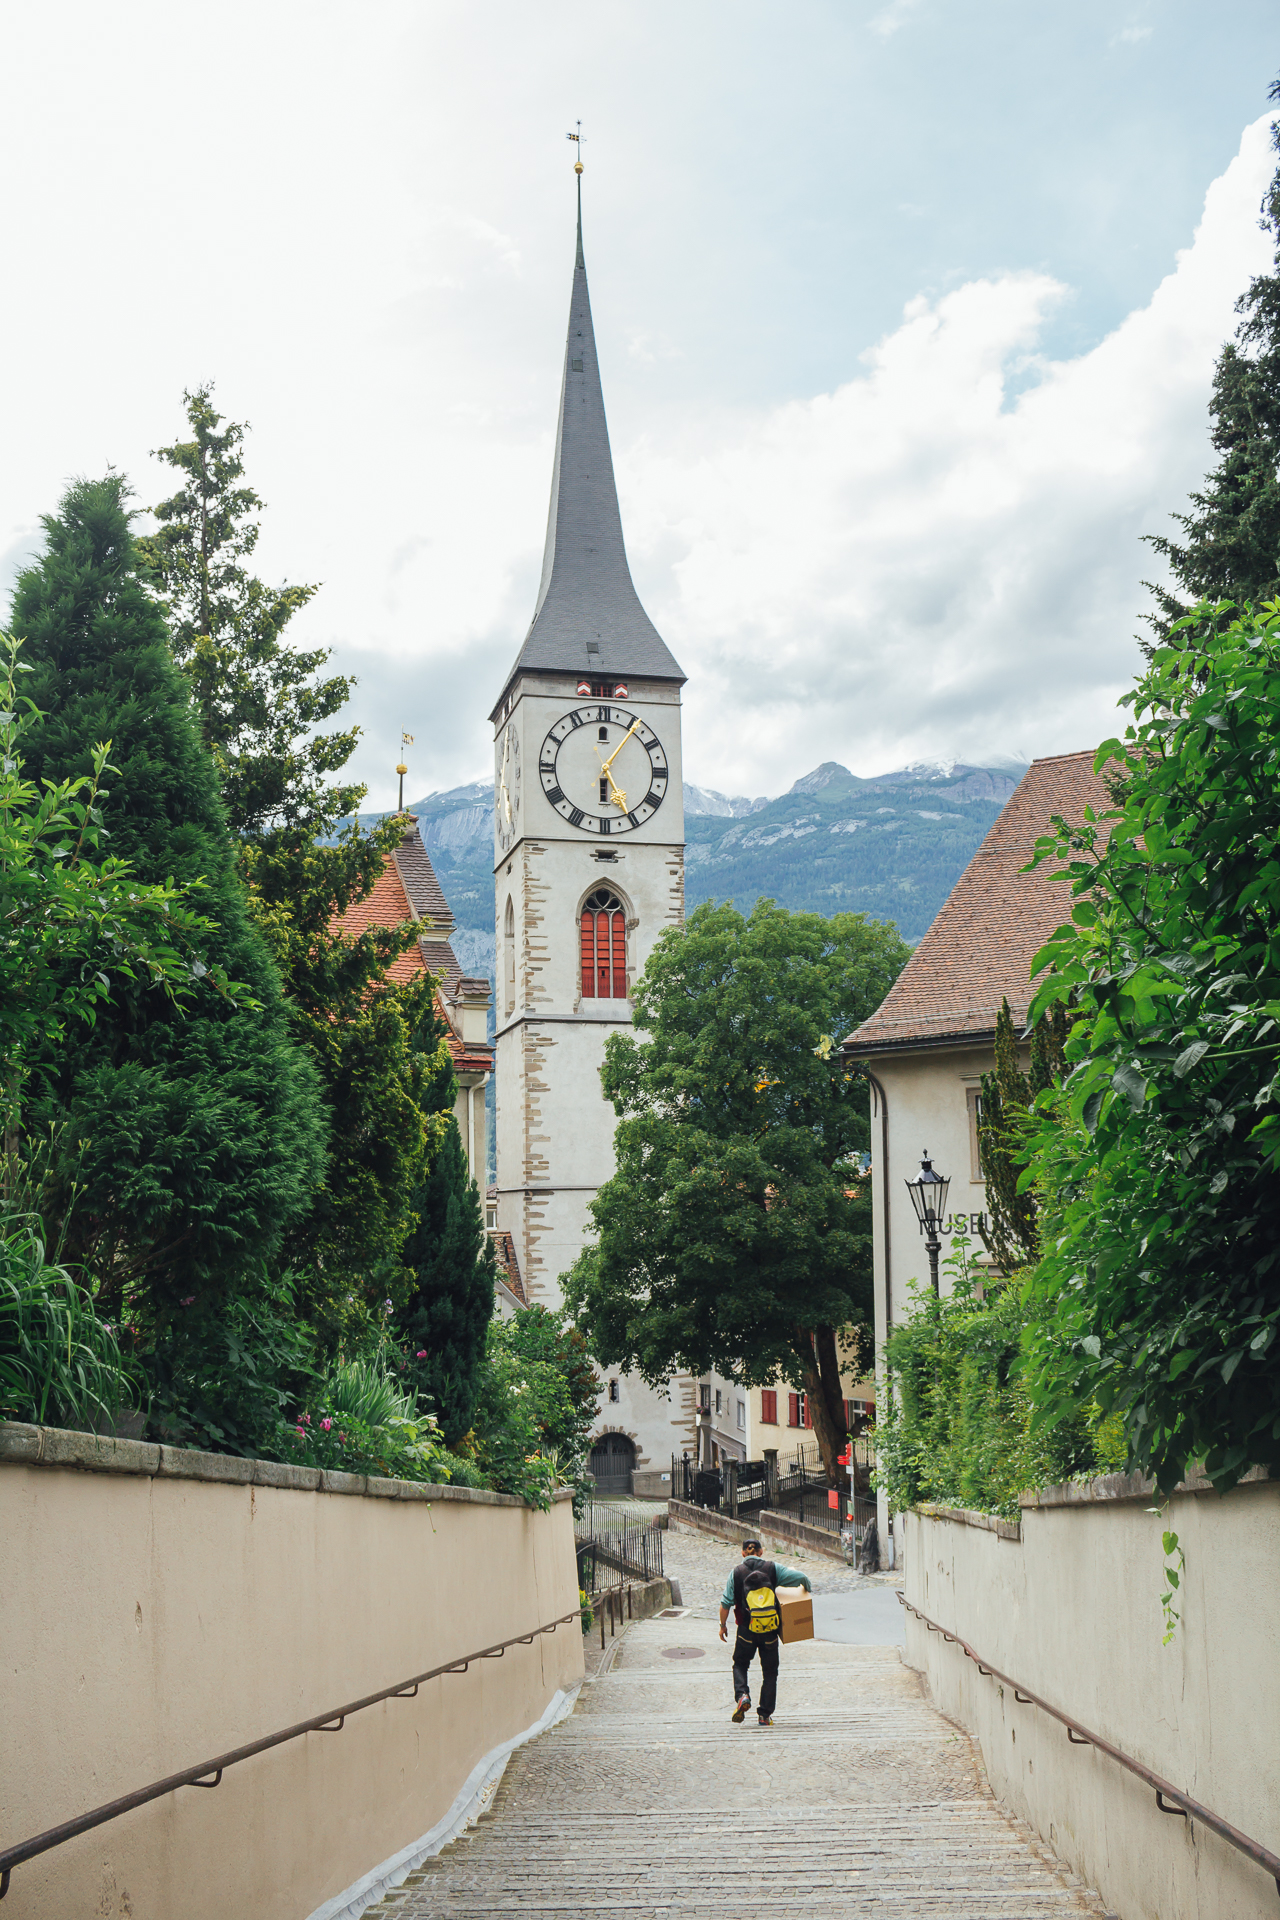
928	1192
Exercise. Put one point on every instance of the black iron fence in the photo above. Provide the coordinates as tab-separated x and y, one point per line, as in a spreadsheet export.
615	1544
794	1484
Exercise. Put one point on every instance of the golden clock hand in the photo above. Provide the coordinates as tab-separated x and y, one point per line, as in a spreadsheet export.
621	744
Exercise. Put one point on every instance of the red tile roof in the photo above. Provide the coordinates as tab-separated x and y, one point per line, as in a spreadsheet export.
508	1264
980	948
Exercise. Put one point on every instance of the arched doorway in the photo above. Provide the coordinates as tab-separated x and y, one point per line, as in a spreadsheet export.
613	1459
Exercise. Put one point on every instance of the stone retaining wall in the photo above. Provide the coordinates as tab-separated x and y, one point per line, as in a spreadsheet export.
768	1525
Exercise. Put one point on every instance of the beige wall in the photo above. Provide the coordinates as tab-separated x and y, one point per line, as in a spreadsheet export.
1072	1612
149	1621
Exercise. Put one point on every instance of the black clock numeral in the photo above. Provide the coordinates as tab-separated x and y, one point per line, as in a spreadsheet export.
575	719
606	826
555	796
653	798
602	713
546	766
634	819
575	818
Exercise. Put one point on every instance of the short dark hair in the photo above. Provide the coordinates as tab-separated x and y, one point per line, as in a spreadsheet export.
749	1543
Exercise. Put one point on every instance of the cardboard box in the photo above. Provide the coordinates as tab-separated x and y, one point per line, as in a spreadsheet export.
795	1607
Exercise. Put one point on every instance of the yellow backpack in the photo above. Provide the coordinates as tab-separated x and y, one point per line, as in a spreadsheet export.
763	1617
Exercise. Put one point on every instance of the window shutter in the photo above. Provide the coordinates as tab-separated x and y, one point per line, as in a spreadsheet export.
588	956
619	956
793	1409
768	1408
808	1417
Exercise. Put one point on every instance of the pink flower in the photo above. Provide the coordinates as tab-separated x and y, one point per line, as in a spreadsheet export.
301	1434
326	1424
188	1302
421	1354
306	1421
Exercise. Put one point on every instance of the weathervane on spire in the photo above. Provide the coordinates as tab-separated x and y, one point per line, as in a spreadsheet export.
406	740
577	141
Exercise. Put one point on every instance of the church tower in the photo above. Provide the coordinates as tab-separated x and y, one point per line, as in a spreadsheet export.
588	871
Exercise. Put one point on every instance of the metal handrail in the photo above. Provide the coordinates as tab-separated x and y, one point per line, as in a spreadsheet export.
1081	1736
331	1722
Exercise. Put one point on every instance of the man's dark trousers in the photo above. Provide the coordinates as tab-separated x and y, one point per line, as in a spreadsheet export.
745	1647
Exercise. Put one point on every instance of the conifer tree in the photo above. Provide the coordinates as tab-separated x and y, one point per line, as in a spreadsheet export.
449	1312
1229	548
1011	1235
384	1067
197	1135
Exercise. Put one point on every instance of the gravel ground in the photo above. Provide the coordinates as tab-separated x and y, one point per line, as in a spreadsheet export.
702	1564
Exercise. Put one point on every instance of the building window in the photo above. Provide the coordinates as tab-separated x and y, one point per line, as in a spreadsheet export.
717	1400
769	1407
604	947
742	1413
509	955
973	1100
614	1393
793	1409
704	1399
491	1219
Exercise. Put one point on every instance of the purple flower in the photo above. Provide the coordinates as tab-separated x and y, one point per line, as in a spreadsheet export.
421	1354
326	1424
188	1302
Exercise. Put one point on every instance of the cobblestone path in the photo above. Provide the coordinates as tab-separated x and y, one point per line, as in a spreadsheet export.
861	1800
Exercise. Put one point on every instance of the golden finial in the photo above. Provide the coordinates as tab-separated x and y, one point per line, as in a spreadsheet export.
406	740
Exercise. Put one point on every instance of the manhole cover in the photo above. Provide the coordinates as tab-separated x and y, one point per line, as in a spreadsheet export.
684	1653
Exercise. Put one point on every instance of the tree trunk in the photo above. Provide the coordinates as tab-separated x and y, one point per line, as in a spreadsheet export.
825	1430
824	1340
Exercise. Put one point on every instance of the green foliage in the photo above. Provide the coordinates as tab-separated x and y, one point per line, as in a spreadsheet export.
1158	1293
385	1075
258	699
199	1134
536	1404
1230	544
736	1232
957	1427
74	929
446	1318
365	1422
1011	1235
223	1375
1174	1561
60	1365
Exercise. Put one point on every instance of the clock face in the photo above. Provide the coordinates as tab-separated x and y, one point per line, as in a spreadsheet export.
603	770
506	787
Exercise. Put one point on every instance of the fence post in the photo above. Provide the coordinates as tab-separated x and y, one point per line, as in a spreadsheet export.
771	1478
731	1487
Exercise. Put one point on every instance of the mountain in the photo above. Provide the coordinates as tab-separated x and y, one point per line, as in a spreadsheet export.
892	846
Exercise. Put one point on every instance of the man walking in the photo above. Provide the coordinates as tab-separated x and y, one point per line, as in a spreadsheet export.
750	1592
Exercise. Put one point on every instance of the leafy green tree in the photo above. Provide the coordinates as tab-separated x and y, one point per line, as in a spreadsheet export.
1229	548
258	699
198	1133
1156	1163
1011	1235
539	1334
384	1068
446	1318
736	1232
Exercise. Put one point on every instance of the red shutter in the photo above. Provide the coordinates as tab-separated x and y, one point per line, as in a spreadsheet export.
793	1409
588	956
808	1417
619	956
602	955
768	1408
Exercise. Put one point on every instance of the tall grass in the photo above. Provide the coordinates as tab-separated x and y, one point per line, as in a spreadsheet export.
59	1364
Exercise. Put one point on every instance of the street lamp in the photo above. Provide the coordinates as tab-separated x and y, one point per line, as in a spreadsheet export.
929	1198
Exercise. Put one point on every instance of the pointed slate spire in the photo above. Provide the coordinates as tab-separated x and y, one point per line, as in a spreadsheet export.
588	618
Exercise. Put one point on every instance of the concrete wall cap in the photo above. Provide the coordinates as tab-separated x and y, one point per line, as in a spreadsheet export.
22	1444
1127	1486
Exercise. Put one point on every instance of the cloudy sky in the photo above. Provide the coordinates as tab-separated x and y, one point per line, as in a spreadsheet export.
907	312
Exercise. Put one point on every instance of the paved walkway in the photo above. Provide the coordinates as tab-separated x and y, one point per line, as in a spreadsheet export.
861	1799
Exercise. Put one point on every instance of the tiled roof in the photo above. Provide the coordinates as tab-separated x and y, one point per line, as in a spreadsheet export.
420	884
980	948
508	1264
386	906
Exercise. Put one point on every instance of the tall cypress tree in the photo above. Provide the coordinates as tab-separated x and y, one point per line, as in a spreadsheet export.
197	1137
1229	548
449	1312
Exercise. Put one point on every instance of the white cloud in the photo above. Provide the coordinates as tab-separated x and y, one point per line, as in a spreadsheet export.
918	563
895	15
1131	36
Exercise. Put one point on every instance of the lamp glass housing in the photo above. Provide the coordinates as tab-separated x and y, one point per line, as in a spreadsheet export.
928	1192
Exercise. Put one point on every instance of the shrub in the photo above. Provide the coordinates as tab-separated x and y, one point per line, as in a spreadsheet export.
60	1365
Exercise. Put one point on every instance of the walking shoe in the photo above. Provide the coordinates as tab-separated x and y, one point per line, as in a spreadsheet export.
740	1711
765	1719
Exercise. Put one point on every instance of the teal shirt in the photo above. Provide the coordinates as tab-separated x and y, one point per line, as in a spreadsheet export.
787	1577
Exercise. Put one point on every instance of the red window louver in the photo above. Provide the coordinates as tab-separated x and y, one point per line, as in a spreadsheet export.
604	948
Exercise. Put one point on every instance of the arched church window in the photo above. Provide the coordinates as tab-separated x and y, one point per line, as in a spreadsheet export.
509	955
604	947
